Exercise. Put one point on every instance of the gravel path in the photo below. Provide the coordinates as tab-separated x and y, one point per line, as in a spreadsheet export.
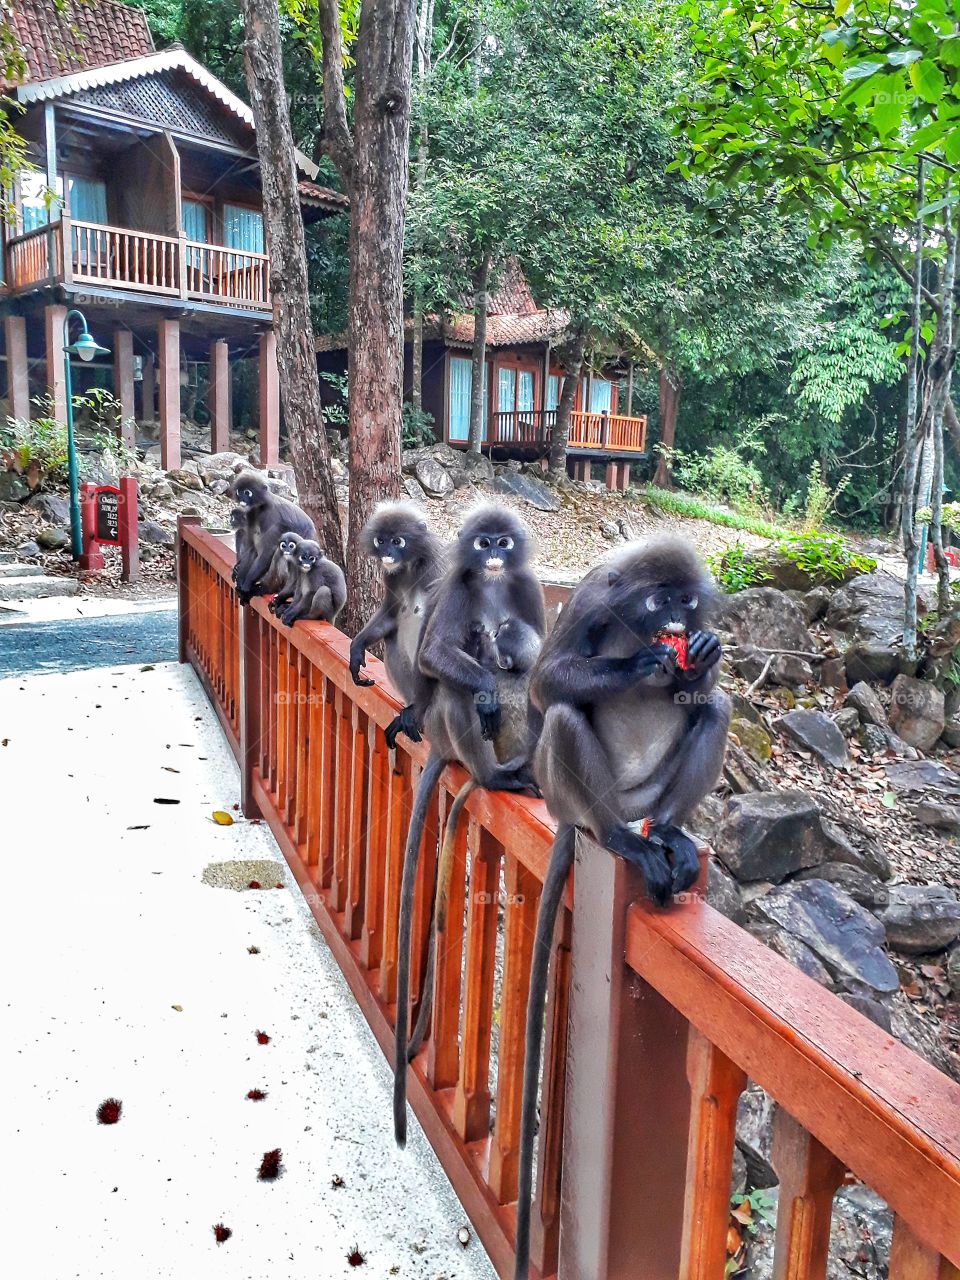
127	977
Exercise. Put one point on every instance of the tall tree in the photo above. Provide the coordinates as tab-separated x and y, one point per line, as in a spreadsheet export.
296	347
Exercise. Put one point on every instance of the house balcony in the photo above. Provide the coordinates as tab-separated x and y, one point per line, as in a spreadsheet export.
590	433
71	252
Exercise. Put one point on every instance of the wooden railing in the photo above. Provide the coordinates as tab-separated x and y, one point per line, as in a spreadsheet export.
669	1012
607	431
141	261
530	427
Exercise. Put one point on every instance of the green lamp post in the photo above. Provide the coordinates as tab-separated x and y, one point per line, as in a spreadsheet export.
86	347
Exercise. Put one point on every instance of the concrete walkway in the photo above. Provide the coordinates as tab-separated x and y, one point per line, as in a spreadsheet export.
125	976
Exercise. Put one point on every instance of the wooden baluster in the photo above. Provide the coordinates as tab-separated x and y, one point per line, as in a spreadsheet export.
809	1175
545	1219
293	736
400	780
357	830
424	894
263	745
301	768
274	699
314	768
443	1059
911	1259
519	927
283	722
253	681
327	787
471	1108
715	1085
375	847
341	801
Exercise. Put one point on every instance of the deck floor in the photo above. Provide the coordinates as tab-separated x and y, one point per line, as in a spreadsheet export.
124	975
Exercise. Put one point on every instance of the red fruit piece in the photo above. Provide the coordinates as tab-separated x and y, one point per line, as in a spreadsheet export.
256	1095
221	1233
108	1112
678	644
254	884
270	1165
262	1038
355	1257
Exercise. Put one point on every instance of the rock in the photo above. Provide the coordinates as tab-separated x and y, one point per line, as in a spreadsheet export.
945	817
953	970
434	478
478	468
790	670
218	487
858	883
816	732
870	610
845	937
784	572
722	892
791	948
753	738
847	720
872	739
529	488
865	702
766	618
161	491
52	538
13	488
815	603
738	1173
870	660
916	711
921	775
951	731
208	463
610	530
150	531
901	748
921	918
743	709
414	489
768	835
911	1028
746	660
861	1230
755	1111
152	454
28	549
50	507
872	859
877	1012
706	818
185	479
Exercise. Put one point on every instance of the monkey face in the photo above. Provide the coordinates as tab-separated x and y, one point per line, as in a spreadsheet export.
670	611
493	553
288	546
250	490
238	518
309	555
391	548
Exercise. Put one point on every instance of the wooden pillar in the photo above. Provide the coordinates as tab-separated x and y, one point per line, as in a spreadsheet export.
148	391
218	386
53	318
269	384
627	1096
123	384
18	372
630	391
623	481
169	353
612	476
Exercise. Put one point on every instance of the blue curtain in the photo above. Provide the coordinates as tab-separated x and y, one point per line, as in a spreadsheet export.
600	396
461	382
88	199
33	206
195	220
553	391
242	228
525	392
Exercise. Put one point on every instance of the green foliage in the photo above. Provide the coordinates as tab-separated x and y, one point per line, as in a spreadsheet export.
824	556
736	569
683	504
724	473
821	500
754	1209
41	441
335	411
416	427
949	515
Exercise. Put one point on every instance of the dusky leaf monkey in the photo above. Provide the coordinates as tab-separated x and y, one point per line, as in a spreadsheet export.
632	737
285	570
320	591
487	582
412	560
267	518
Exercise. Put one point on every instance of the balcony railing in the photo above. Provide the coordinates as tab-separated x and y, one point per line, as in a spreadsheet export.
141	261
655	1019
597	432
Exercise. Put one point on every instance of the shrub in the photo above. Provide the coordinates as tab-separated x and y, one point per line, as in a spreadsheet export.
40	442
736	569
724	474
416	427
825	555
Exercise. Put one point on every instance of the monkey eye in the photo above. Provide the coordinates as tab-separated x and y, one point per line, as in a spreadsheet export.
481	544
506	543
690	601
377	541
399	542
652	603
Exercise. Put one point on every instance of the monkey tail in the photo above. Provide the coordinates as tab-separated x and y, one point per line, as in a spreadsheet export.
561	860
438	920
411	859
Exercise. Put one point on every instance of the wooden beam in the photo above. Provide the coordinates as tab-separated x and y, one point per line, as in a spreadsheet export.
148	390
218	390
18	370
53	318
169	355
269	388
123	384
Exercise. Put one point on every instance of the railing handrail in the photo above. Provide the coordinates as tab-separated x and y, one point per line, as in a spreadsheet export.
879	1109
42	230
161	236
228	248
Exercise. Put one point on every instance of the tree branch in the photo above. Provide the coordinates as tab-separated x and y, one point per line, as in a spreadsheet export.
337	139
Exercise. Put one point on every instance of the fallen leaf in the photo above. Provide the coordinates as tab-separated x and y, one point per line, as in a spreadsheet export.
222	818
177	1007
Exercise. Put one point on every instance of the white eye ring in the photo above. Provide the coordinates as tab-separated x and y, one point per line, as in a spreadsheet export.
481	544
651	603
399	542
692	602
505	543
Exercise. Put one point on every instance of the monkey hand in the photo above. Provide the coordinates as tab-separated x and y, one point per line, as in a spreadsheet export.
652	660
406	723
703	652
488	710
356	662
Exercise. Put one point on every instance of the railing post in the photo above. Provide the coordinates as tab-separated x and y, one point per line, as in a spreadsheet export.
250	728
66	249
182	280
183	595
627	1096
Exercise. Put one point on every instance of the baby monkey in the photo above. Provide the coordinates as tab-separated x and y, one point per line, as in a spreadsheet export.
285	570
320	591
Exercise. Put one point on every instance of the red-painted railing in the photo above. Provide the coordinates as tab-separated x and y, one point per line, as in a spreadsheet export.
666	1013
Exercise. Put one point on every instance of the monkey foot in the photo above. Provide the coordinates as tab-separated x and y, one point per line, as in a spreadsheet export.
649	855
682	852
406	723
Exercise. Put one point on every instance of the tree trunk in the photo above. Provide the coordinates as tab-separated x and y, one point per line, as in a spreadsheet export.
939	404
481	280
423	49
912	441
670	388
416	355
560	435
283	224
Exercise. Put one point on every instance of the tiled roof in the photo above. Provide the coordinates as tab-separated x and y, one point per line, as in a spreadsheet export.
512	296
325	197
57	40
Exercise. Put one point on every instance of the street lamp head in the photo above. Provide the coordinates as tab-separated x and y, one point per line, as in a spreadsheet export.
86	347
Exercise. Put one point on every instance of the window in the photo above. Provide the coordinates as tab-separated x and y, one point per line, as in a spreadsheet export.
553	391
195	220
243	228
87	198
34	201
525	395
461	381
